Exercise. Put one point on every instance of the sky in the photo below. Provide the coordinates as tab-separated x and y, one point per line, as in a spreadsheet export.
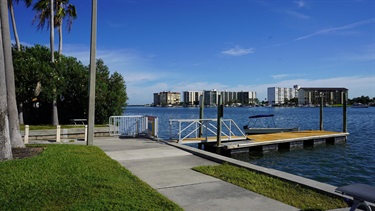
234	45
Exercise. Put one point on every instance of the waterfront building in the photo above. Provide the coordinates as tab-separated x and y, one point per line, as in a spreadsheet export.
246	98
311	95
279	95
228	97
211	97
167	98
191	98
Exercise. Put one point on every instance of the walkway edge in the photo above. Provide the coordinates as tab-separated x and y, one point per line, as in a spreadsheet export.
318	186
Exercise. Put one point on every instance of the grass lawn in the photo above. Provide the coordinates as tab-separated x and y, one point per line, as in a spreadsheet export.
73	177
280	190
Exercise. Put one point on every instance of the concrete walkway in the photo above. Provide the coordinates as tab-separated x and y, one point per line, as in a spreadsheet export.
168	170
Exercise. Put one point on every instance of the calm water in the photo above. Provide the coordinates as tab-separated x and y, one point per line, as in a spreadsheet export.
341	164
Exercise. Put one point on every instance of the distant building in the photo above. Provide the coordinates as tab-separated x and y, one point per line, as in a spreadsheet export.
167	98
311	95
191	98
211	97
246	98
279	95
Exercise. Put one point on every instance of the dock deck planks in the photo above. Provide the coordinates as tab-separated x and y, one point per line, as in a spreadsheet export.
267	139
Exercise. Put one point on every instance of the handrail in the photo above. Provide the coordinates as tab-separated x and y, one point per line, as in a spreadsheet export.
187	128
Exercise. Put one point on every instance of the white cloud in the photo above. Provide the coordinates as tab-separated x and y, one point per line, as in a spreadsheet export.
349	26
300	3
238	51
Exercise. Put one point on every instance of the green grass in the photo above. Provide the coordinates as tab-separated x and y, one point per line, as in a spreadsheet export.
280	190
72	177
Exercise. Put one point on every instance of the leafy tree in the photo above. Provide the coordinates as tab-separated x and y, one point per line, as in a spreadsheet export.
117	96
35	80
110	92
73	100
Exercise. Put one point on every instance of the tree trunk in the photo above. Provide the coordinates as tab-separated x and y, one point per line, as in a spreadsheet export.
52	36
5	145
14	126
14	25
55	117
60	39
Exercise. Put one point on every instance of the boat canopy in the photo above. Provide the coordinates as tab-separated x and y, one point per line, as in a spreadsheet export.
261	116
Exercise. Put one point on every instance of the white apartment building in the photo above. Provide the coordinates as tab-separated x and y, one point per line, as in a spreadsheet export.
278	95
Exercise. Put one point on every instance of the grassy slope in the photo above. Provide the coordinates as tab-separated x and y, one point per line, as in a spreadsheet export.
71	177
286	192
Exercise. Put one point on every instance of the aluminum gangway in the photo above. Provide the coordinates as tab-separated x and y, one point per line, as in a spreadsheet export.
204	130
133	125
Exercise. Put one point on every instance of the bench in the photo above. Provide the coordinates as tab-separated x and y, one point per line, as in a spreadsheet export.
361	194
83	121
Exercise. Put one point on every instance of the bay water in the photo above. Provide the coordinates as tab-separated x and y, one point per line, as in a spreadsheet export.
340	164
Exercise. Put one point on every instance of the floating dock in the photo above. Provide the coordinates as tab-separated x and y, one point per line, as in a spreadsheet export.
274	141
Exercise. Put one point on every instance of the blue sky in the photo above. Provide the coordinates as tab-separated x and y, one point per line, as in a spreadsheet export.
195	45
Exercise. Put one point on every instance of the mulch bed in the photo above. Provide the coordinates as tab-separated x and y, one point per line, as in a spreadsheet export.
19	153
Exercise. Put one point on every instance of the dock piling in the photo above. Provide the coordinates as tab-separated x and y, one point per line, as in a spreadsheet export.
321	111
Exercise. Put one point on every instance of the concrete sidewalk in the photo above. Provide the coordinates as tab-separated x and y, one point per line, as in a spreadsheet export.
168	170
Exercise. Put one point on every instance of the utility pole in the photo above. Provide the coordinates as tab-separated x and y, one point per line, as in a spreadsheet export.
91	114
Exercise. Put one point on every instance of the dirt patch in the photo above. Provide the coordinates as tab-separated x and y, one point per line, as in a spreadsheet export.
19	153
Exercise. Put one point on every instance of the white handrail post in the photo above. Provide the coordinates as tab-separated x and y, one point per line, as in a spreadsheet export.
85	133
58	133
26	138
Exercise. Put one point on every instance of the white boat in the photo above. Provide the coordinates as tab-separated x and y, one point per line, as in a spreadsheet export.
267	124
359	105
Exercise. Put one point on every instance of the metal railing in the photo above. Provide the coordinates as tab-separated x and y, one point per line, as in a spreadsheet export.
203	128
133	125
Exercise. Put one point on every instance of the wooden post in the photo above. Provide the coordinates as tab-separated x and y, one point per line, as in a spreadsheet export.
201	113
321	111
344	122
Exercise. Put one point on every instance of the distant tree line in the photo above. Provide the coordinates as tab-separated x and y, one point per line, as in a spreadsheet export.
363	100
39	82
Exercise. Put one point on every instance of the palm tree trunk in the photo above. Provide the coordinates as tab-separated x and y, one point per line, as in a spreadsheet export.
14	25
14	127
60	37
55	117
5	145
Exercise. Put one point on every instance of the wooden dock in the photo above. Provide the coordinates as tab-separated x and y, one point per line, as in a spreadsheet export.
284	140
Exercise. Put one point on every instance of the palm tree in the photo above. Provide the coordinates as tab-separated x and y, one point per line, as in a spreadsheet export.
14	127
10	5
63	10
67	11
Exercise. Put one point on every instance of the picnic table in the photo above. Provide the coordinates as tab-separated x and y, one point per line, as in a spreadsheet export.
360	193
83	121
